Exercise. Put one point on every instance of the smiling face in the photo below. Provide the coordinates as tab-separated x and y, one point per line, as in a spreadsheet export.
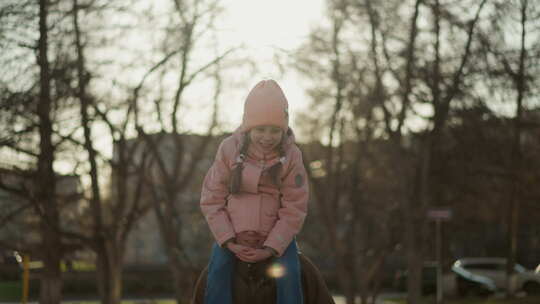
266	138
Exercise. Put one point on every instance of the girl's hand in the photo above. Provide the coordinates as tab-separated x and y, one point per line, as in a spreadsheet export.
242	252
238	249
254	255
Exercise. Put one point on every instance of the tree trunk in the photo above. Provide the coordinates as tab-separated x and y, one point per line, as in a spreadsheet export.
414	256
51	277
414	286
344	275
414	277
169	234
175	268
517	159
109	266
364	291
347	286
51	280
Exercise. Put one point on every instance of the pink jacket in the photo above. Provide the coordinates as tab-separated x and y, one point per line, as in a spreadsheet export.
259	206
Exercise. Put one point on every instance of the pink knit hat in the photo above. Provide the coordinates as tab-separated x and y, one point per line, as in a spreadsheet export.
266	105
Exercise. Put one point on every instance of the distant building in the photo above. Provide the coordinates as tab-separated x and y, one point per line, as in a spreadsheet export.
16	189
145	245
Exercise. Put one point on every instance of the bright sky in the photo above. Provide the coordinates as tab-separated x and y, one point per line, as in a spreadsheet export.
263	23
265	28
268	28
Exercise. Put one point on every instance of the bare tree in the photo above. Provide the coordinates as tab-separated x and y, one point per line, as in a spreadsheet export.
51	284
176	159
513	61
399	72
67	79
112	218
33	112
344	192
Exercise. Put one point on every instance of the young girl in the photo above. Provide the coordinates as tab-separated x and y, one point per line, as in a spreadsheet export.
257	187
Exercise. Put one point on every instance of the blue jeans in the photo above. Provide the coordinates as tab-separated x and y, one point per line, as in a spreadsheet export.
220	277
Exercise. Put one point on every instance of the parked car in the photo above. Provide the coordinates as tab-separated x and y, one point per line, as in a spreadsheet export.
471	284
457	282
495	269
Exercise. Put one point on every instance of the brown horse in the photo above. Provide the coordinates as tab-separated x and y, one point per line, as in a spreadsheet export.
253	283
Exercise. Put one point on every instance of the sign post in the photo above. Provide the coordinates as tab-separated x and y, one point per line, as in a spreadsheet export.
26	262
439	215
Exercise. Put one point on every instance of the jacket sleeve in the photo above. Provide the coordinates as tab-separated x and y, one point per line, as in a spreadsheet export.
214	194
293	209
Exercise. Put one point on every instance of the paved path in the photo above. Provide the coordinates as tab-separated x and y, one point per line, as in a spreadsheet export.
381	299
338	299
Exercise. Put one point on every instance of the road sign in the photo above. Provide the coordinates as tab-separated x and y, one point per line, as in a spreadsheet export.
443	214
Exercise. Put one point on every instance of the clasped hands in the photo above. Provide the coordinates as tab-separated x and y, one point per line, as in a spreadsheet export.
248	247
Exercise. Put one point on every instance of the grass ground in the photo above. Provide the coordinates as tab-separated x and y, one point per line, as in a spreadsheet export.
524	300
527	300
128	302
123	302
10	291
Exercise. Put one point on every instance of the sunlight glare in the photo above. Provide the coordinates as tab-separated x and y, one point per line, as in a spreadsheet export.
276	270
